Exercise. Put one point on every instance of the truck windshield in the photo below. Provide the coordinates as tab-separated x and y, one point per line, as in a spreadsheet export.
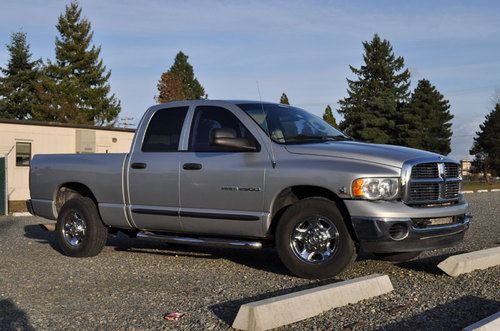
291	125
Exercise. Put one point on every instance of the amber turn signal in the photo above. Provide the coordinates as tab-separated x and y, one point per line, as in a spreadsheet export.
357	187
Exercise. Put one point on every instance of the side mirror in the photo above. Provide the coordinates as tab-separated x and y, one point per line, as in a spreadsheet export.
227	138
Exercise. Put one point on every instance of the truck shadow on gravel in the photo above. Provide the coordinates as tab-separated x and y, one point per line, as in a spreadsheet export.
227	311
264	259
13	318
41	236
453	315
427	264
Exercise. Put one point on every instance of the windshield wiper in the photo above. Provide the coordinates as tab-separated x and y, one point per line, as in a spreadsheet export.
322	138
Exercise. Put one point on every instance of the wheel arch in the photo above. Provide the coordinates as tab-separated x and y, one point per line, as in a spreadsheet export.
292	194
70	190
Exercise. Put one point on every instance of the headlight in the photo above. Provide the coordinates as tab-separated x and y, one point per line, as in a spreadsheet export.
376	188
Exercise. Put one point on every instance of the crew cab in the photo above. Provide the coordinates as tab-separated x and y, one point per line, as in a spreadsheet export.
253	174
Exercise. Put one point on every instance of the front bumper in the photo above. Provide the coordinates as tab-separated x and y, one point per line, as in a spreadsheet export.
386	235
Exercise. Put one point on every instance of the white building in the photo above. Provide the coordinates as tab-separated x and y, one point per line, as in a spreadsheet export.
20	140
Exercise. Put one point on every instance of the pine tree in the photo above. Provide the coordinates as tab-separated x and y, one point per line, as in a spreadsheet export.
328	117
428	117
76	88
284	99
191	87
486	146
170	88
17	86
375	99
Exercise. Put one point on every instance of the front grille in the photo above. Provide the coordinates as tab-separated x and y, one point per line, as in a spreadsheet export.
424	191
452	190
425	170
451	170
433	183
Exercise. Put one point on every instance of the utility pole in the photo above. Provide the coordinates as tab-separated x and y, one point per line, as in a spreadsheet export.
124	121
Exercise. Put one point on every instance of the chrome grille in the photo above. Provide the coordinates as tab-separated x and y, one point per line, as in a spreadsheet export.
433	183
451	170
424	191
425	170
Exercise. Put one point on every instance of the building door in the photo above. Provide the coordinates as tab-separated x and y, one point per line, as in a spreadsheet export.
3	187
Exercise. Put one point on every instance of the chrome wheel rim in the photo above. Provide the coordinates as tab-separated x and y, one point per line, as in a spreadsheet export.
314	240
74	229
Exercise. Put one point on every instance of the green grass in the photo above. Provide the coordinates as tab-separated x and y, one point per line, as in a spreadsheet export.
474	186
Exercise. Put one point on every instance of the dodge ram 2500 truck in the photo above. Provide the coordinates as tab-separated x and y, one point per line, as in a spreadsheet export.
252	174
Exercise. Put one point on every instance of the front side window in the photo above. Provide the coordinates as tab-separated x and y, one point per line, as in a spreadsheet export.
208	118
23	154
291	125
164	130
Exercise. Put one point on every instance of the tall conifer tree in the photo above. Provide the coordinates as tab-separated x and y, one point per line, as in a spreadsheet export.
182	69
328	117
17	86
486	147
284	99
372	109
76	88
428	117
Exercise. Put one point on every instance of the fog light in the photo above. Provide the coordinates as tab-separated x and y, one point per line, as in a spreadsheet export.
399	231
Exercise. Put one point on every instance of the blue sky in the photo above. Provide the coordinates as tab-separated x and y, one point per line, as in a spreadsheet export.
303	48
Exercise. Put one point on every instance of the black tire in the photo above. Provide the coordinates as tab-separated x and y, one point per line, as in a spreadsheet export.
343	253
397	256
91	240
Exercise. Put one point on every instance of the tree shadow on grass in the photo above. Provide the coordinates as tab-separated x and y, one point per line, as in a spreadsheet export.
453	315
13	318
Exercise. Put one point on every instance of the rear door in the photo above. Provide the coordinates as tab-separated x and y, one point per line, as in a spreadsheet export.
153	171
222	190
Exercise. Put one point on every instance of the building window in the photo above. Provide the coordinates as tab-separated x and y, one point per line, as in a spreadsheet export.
23	154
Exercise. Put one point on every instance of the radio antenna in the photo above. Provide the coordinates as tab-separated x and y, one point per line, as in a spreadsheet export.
268	131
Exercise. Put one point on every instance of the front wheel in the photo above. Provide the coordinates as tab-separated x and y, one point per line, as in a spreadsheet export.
80	231
312	239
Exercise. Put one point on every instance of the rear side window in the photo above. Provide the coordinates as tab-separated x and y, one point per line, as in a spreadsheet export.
164	130
207	118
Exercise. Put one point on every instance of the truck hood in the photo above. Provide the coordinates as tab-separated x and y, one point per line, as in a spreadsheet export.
383	154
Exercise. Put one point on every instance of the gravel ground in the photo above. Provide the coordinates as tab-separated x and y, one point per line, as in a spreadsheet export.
133	283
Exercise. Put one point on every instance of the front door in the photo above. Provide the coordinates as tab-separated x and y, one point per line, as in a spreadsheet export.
154	172
221	189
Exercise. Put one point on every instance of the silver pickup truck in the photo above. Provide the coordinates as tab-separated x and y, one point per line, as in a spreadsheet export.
253	174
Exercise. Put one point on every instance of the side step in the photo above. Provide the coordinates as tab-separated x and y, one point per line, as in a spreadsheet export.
201	241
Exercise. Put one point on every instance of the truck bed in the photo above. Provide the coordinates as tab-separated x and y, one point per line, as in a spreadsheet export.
101	173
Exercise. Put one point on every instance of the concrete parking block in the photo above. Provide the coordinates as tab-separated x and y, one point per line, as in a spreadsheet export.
495	190
467	192
285	309
481	191
463	263
490	323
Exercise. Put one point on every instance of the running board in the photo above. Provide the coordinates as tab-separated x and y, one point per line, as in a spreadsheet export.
201	241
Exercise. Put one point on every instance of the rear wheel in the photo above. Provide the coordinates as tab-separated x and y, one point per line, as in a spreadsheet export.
397	257
80	231
312	239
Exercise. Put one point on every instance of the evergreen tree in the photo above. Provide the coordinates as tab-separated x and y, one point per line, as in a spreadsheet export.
76	88
170	88
284	99
17	86
486	146
428	117
191	87
329	118
372	109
